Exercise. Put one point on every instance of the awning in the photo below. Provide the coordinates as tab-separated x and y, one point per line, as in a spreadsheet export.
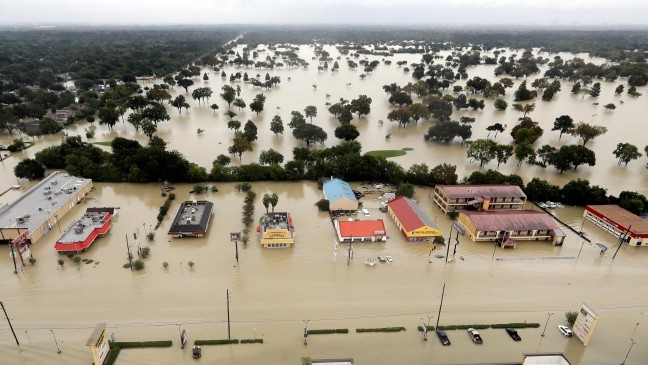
287	241
473	202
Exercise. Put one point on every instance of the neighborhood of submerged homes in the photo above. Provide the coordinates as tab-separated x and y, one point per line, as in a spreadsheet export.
493	213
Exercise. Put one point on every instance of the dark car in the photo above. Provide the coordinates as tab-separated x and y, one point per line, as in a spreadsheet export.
196	352
443	337
513	333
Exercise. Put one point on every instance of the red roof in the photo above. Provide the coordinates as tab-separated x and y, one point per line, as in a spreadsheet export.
620	217
511	220
409	214
362	228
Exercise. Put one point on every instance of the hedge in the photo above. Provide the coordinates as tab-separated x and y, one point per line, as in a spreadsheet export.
516	325
484	326
115	348
383	329
327	331
215	342
252	340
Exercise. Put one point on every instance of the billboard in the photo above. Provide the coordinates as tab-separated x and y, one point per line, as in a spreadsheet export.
585	323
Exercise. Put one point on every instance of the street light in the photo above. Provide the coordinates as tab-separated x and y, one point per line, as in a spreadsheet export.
56	342
545	327
306	331
632	343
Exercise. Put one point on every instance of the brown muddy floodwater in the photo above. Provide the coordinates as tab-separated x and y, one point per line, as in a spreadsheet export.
274	291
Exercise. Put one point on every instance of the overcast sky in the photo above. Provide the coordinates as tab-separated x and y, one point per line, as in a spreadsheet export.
364	12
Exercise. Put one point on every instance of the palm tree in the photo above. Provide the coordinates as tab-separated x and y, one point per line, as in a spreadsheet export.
266	201
274	200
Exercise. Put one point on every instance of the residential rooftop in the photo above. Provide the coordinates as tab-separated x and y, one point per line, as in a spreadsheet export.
491	191
511	220
621	217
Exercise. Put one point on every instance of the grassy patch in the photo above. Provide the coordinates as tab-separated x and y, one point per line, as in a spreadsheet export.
328	331
104	143
116	347
215	342
382	329
388	153
252	340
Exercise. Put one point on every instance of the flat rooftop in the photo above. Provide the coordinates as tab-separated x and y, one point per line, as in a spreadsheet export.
81	229
192	217
35	206
277	220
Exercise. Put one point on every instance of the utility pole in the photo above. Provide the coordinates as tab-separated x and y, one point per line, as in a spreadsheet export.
130	256
229	337
621	239
349	258
448	248
545	327
9	321
440	306
454	252
632	343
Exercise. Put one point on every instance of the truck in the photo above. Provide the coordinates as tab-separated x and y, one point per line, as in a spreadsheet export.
474	335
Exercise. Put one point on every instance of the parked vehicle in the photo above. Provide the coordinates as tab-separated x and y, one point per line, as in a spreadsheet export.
474	335
443	337
196	352
565	330
365	211
513	333
389	259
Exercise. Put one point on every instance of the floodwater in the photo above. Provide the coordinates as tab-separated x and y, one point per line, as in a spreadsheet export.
274	291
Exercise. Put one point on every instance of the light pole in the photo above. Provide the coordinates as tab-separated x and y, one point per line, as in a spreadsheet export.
632	343
56	342
454	251
545	326
306	331
9	321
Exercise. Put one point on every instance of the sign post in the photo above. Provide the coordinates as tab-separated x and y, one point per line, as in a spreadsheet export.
235	236
585	323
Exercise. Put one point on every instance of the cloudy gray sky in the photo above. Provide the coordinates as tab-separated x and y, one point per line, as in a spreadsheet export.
385	12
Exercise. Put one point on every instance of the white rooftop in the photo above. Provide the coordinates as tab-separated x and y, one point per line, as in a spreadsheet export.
40	202
553	359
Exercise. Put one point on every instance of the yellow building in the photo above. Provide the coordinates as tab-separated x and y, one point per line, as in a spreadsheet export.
413	223
276	230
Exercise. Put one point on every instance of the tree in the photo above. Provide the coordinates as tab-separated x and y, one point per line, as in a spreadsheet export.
540	190
205	76
609	106
626	152
402	115
544	153
239	146
310	112
214	107
229	94
497	128
258	103
29	169
405	189
148	127
444	131
156	112
108	117
345	116
310	133
522	93
419	111
444	174
234	124
347	132
596	90
503	153
270	157
185	83
526	108
180	102
400	98
564	124
239	103
587	132
500	104
361	105
619	89
249	131
482	150
49	126
274	200
296	120
524	151
266	201
276	125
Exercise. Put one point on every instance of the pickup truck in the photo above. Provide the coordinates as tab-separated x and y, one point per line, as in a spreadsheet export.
474	335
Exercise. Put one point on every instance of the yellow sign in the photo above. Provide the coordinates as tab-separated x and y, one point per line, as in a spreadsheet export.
276	233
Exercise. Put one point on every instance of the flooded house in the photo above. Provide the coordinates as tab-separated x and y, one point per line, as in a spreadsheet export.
276	230
192	219
619	222
94	223
412	221
479	197
41	208
506	227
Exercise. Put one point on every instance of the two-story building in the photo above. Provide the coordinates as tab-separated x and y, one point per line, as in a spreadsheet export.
479	197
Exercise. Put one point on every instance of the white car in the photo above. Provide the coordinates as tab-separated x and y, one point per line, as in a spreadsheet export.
565	330
389	259
366	212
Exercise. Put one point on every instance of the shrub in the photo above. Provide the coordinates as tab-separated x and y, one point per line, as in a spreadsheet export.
172	196
76	259
145	252
150	235
191	264
61	262
32	260
571	317
165	265
322	205
142	344
138	265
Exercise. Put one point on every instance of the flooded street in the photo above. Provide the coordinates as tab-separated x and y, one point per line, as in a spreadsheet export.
274	291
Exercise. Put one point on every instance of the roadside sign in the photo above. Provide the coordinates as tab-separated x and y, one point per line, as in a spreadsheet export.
459	228
183	339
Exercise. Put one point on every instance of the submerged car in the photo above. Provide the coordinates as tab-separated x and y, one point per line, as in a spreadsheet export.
196	352
443	337
475	336
565	330
513	333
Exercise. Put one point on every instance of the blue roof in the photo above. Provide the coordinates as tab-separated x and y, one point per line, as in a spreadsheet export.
335	189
